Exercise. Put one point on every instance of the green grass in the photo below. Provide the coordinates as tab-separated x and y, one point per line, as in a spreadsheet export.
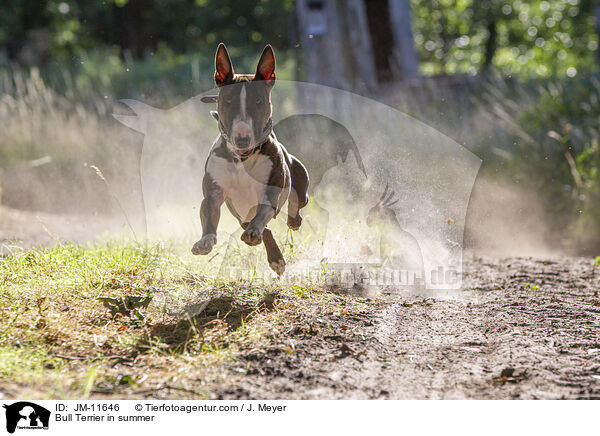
59	341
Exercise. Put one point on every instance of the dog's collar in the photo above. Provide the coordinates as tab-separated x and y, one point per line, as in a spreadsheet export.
224	133
268	129
263	138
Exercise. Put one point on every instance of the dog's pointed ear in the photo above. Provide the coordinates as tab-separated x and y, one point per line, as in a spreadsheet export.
223	66
265	69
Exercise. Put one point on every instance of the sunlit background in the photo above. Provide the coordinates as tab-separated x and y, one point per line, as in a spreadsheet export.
516	82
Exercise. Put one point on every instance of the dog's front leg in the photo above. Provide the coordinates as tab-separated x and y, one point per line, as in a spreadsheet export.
264	213
210	213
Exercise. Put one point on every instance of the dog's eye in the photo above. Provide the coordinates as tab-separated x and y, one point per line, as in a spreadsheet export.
228	101
258	101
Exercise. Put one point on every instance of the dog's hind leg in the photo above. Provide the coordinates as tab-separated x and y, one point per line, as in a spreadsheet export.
298	194
274	256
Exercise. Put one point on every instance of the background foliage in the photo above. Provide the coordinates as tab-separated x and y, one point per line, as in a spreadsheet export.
537	38
525	38
66	62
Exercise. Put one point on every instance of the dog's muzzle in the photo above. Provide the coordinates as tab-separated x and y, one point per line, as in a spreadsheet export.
241	144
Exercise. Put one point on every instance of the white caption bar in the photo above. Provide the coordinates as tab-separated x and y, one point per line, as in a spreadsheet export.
89	418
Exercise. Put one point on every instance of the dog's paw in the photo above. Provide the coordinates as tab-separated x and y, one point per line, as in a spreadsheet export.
294	222
252	236
204	245
278	266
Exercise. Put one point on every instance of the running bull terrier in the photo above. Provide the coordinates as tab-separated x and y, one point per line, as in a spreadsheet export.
247	168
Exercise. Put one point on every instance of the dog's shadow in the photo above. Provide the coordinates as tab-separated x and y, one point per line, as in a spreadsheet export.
197	321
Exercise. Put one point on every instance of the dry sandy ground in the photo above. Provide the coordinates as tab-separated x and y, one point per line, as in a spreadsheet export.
27	229
523	328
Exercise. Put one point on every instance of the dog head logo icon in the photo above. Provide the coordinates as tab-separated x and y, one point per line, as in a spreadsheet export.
389	191
26	415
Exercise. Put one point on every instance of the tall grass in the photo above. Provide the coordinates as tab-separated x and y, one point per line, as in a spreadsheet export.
57	123
48	142
554	150
538	136
37	121
541	135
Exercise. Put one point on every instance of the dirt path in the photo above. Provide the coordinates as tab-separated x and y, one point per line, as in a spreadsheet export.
28	229
522	329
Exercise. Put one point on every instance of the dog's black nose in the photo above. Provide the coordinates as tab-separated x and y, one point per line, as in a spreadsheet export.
242	141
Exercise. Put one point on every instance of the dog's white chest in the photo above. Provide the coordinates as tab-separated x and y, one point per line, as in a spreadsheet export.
244	183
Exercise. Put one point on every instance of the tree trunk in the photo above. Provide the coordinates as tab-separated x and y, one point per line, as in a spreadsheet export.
490	45
598	29
405	56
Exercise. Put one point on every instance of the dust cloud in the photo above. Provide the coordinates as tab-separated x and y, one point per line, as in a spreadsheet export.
87	176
